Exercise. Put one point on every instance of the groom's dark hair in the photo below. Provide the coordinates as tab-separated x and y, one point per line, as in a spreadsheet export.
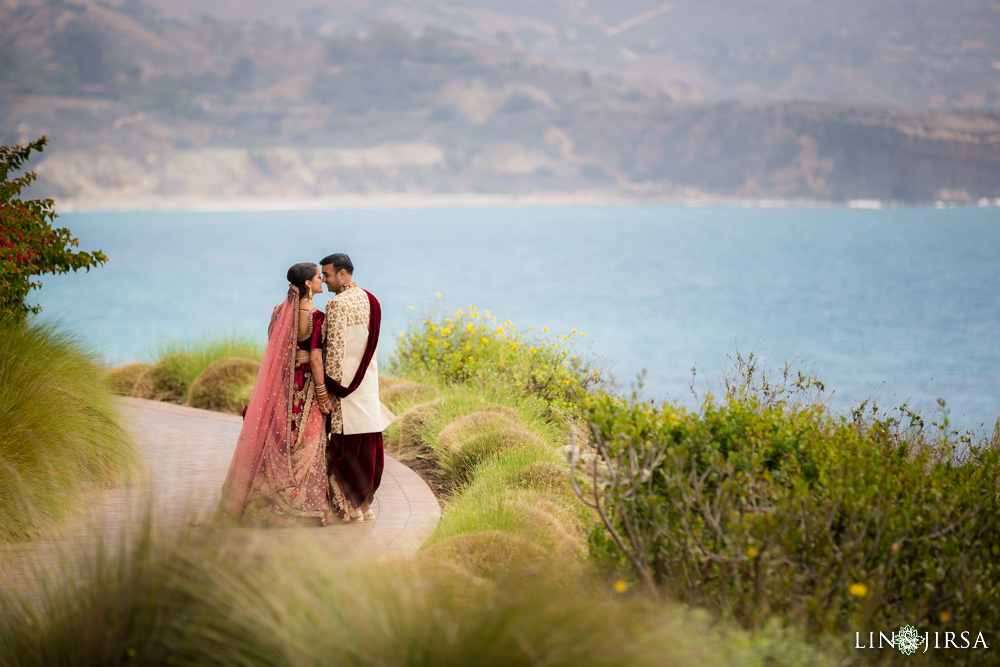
339	261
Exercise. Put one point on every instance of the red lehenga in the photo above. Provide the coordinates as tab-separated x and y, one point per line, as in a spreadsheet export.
278	475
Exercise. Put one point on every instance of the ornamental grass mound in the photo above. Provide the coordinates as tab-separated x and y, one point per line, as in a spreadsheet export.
490	554
474	437
222	386
121	379
542	476
409	428
398	393
61	430
164	381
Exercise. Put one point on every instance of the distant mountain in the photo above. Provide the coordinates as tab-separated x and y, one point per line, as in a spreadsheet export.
913	54
140	105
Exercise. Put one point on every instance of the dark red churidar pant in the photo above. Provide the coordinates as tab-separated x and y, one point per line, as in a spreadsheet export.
357	461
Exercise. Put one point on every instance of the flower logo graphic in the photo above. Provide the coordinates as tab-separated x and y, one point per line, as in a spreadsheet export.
908	640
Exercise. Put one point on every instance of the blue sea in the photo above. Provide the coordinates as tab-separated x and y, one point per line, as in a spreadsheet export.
899	305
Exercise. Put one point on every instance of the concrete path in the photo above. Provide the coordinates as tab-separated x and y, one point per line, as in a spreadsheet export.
186	454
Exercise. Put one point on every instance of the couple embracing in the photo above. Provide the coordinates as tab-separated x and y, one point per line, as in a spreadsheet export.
311	445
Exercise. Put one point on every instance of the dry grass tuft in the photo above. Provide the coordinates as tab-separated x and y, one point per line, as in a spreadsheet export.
221	386
121	379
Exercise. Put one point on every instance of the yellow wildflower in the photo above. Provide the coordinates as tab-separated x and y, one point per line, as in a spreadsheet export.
438	295
944	616
475	314
752	551
858	590
411	307
621	586
545	328
532	350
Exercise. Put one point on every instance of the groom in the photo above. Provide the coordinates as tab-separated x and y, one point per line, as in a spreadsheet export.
350	332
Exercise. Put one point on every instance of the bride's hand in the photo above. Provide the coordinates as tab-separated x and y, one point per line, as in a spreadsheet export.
326	408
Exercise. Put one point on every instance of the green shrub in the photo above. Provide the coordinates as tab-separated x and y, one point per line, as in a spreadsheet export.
762	504
60	428
122	379
466	346
223	384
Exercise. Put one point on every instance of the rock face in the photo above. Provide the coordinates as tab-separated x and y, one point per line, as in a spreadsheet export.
140	109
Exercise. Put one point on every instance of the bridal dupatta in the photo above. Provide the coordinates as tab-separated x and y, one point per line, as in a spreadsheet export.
265	442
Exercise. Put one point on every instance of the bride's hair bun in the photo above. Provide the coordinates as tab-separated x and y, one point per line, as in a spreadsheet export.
300	273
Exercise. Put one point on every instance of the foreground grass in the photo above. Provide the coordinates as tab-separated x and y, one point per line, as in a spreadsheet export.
208	596
60	428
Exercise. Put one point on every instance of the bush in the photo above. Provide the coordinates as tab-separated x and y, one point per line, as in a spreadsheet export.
60	429
122	379
466	346
29	246
223	385
764	504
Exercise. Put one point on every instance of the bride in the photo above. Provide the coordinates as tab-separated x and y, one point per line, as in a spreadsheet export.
278	474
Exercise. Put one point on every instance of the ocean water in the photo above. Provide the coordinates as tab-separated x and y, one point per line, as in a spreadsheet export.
895	305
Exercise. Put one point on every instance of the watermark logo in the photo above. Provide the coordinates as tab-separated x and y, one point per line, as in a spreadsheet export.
909	640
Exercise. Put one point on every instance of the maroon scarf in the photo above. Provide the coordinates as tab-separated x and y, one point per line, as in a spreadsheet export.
374	323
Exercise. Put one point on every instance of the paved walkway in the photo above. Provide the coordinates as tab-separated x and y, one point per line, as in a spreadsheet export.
186	454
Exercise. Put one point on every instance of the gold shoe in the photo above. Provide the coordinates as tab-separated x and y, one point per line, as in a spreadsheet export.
356	515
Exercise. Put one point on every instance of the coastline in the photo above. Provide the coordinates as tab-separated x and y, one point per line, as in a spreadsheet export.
469	200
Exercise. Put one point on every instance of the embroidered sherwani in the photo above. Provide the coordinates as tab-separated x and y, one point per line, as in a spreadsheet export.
355	454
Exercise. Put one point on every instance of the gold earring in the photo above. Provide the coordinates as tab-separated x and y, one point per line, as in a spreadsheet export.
310	292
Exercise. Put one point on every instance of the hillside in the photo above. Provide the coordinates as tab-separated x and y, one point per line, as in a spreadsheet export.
913	54
143	107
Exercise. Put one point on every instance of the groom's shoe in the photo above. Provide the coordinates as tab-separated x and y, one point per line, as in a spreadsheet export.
369	516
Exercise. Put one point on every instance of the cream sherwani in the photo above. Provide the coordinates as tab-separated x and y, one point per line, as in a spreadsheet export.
348	316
